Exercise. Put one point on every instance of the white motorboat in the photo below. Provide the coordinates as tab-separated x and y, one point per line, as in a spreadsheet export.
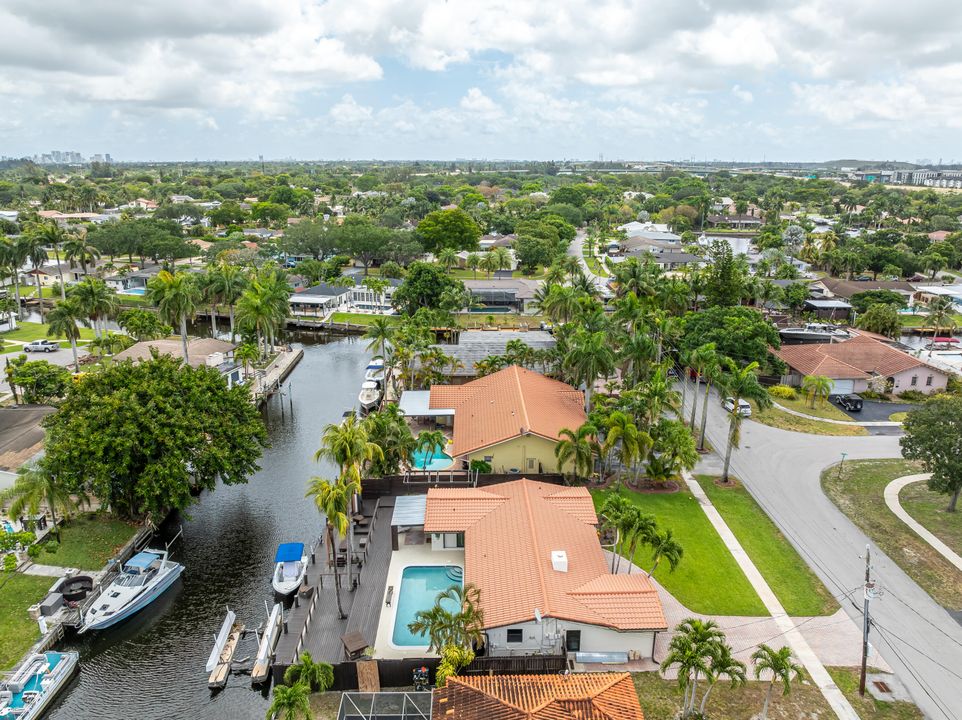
815	332
370	395
143	579
290	568
35	684
375	370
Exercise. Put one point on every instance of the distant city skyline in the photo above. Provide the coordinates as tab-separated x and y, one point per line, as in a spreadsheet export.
746	80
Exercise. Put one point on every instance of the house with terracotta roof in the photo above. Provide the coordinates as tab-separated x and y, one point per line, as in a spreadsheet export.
582	696
510	419
533	552
859	362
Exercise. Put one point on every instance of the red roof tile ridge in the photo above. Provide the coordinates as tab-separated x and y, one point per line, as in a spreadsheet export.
525	486
524	407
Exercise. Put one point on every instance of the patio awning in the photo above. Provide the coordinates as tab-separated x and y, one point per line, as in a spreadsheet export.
409	510
417	403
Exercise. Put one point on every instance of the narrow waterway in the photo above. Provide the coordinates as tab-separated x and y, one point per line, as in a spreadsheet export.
152	667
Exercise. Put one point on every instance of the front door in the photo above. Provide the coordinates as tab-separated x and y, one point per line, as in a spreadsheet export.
573	641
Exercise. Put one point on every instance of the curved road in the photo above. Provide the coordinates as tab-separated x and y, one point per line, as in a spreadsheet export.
782	471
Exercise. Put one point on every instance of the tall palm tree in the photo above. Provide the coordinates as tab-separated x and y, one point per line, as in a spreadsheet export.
817	388
723	664
740	384
51	234
333	499
701	358
589	357
940	310
623	436
97	300
447	258
12	257
291	702
76	250
229	282
473	262
462	625
636	355
711	372
577	447
560	303
664	546
488	263
34	486
348	446
33	250
247	354
209	289
611	511
782	666
176	296
636	528
264	306
691	648
318	676
63	321
429	440
502	258
379	332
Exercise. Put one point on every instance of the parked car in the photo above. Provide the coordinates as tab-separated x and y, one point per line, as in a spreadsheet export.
46	346
851	402
744	409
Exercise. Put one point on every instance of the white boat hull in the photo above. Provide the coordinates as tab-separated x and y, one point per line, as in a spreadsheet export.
288	585
57	680
142	601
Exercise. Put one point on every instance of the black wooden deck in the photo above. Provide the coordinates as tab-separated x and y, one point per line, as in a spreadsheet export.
322	635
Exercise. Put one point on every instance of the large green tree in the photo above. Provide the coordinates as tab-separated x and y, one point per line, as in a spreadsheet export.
933	435
453	229
741	333
142	437
426	286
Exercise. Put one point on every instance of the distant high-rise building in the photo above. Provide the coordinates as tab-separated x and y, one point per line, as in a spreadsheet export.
107	158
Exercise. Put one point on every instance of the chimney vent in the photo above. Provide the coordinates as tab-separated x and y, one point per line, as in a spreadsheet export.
559	560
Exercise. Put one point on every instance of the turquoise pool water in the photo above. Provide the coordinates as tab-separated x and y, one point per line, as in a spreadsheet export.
420	585
435	459
135	291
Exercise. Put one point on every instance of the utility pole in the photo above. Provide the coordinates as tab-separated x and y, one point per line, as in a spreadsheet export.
867	594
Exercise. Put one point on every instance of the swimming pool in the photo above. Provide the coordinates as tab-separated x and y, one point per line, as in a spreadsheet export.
435	459
420	585
134	291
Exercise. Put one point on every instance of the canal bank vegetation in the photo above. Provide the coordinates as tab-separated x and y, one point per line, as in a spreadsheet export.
88	541
17	630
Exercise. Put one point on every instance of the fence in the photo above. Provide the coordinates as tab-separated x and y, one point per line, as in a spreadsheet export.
391	673
401	485
520	665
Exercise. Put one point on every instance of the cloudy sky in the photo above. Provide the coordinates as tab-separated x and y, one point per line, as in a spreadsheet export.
435	79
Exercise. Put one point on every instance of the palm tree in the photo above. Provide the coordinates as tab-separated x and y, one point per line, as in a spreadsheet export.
247	354
347	445
447	258
711	372
589	357
333	499
781	664
36	485
50	233
12	257
97	301
429	440
264	306
318	676
940	310
502	258
611	511
488	263
723	664
33	250
577	447
692	648
817	388
635	527
209	293
632	444
664	547
176	296
379	332
229	282
560	303
701	358
63	321
473	262
76	250
740	384
291	702
462	626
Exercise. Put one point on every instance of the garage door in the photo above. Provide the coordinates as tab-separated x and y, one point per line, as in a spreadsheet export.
843	387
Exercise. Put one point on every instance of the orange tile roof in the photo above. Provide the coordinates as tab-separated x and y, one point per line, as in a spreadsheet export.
581	696
510	530
507	404
860	357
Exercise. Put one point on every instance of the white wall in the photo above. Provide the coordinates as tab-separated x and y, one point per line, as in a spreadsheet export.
594	638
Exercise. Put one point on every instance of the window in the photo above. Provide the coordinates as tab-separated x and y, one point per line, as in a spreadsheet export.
515	635
573	641
530	463
928	381
489	459
915	380
453	540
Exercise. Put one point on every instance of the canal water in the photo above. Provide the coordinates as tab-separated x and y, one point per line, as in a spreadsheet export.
152	667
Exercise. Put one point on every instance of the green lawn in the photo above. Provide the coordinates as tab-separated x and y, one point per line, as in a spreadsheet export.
708	580
929	509
780	419
858	494
468	274
358	318
17	631
923	320
822	409
797	587
28	331
89	541
898	416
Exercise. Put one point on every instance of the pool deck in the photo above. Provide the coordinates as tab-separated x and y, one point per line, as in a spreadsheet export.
319	632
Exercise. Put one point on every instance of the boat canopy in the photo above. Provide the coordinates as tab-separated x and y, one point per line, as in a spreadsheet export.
289	552
945	340
142	560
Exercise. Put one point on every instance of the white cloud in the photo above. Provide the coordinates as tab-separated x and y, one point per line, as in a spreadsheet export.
348	112
480	106
742	94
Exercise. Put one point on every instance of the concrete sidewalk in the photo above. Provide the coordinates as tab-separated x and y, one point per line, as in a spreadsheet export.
892	491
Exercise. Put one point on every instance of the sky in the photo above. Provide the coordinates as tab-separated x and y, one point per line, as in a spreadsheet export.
746	80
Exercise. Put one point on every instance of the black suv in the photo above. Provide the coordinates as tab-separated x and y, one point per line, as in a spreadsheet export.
851	402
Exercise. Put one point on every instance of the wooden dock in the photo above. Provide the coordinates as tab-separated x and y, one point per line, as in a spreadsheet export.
313	624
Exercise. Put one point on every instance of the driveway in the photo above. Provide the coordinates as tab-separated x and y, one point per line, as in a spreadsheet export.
576	249
875	411
914	634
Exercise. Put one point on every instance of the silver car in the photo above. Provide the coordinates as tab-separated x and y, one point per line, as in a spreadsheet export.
744	409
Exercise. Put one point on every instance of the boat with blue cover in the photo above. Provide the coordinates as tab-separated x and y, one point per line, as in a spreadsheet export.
143	579
290	568
31	689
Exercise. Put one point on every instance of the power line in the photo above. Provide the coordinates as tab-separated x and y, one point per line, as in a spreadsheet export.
915	675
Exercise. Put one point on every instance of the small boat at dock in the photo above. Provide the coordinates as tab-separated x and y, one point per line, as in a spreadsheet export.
815	332
32	688
369	396
290	568
375	370
142	580
261	670
225	645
